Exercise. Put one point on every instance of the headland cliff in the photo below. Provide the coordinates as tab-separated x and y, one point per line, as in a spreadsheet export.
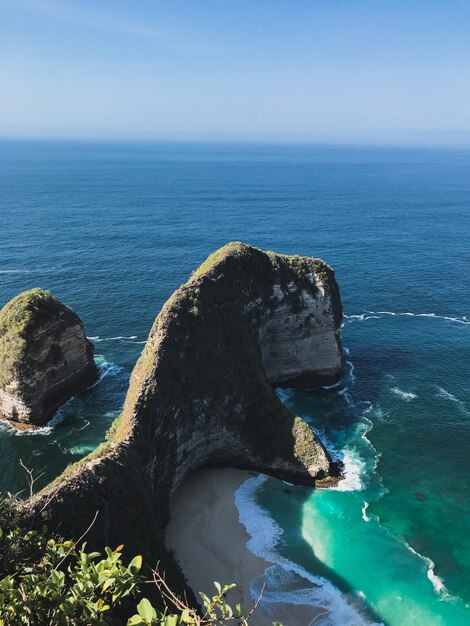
203	394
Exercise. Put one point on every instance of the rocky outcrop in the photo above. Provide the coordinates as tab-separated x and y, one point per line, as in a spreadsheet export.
202	393
45	358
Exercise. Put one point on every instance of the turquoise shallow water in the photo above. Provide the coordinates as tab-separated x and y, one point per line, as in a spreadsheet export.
394	536
114	229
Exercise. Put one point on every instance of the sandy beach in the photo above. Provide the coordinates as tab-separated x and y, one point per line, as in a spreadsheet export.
210	544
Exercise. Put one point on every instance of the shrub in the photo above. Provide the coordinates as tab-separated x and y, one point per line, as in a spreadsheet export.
45	581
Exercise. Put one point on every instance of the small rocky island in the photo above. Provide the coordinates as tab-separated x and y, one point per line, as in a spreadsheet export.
45	358
203	394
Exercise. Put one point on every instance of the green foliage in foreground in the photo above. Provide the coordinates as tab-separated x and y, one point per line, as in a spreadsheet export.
216	610
45	581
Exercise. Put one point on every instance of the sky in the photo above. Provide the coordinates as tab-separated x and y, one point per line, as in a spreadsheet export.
321	71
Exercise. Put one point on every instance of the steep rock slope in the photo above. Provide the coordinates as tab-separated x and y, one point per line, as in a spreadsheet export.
45	358
202	394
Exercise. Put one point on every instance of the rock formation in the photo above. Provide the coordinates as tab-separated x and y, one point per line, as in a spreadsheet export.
45	358
202	393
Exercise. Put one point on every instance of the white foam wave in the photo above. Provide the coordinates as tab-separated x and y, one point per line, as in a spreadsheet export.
443	393
347	396
404	395
98	339
365	506
106	369
47	429
353	464
335	386
354	467
264	535
435	580
351	372
367	315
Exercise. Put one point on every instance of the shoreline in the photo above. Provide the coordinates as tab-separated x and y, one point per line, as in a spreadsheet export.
209	543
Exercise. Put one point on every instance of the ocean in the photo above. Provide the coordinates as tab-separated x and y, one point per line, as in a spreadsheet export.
113	229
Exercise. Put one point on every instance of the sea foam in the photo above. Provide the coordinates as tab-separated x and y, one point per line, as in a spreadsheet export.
404	395
104	369
98	339
265	533
443	393
435	580
365	506
367	315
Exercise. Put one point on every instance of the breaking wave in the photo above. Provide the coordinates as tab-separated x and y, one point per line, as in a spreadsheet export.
284	574
436	581
443	393
106	369
122	338
367	315
404	395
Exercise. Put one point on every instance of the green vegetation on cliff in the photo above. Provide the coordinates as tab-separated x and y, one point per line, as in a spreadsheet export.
18	318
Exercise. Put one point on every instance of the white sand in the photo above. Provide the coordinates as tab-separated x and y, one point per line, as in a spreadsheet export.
210	543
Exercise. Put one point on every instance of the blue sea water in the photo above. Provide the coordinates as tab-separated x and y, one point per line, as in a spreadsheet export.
112	229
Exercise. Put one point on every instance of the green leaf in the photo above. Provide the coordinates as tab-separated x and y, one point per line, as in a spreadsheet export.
186	617
205	599
135	620
108	583
57	578
146	610
136	563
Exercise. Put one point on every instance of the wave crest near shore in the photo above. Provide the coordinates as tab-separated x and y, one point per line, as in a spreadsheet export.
265	533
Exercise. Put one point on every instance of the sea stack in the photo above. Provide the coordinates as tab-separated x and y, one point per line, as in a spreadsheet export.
203	394
45	358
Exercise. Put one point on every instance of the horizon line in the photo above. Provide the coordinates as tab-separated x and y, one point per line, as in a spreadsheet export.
242	142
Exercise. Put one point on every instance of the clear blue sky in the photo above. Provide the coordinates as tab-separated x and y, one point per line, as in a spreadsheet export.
386	71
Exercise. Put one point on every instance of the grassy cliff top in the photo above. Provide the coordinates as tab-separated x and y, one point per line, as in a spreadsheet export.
18	318
238	249
234	248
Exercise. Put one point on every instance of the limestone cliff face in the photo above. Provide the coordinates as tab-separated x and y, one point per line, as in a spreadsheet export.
45	357
202	394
